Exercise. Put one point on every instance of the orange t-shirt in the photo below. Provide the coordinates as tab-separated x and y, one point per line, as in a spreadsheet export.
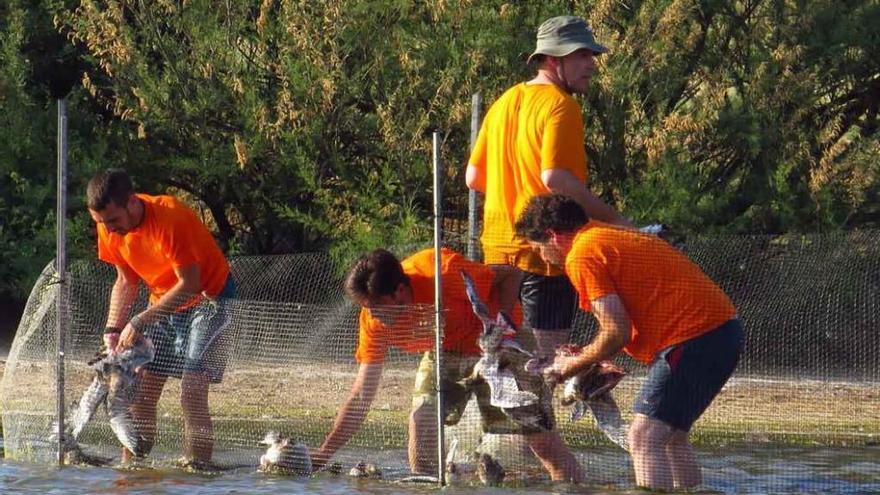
170	235
413	331
668	297
531	128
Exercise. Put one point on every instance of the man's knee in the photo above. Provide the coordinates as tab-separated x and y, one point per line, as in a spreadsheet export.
149	390
555	455
678	439
194	383
646	434
678	436
422	410
543	441
423	418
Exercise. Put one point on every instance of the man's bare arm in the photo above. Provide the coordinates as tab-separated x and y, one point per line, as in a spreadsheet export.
188	286
562	181
475	178
614	331
122	296
352	414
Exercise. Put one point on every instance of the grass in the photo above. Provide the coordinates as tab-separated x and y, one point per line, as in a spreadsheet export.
304	399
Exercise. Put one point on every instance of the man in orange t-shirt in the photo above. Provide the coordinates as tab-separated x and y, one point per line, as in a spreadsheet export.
656	305
532	142
397	310
160	241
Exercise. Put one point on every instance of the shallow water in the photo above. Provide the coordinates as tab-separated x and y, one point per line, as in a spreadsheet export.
756	469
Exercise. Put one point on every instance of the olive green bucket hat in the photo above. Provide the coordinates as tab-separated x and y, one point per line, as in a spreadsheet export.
562	35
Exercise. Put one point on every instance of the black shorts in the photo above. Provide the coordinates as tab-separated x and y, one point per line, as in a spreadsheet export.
685	378
548	302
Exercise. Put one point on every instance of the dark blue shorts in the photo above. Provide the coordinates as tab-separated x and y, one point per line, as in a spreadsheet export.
548	302
195	340
685	378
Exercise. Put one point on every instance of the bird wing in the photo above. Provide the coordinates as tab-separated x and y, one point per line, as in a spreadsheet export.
505	392
609	420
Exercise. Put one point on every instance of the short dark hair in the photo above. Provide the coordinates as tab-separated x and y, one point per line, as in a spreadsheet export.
544	212
377	273
110	186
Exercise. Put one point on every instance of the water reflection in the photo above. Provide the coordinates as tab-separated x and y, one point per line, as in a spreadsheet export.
766	469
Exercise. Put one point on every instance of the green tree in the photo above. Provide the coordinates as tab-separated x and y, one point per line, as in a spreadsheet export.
36	65
300	125
305	125
745	116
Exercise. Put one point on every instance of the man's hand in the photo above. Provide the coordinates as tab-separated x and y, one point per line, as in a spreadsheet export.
111	339
564	366
351	415
127	338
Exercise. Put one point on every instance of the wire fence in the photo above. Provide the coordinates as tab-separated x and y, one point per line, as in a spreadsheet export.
809	374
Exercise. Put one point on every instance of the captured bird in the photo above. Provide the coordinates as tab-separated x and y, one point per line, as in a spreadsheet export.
591	384
458	472
73	453
454	470
365	470
285	457
115	385
521	396
123	383
497	347
591	389
489	470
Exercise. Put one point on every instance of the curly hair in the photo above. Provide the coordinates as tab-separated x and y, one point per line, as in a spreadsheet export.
377	273
110	186
545	212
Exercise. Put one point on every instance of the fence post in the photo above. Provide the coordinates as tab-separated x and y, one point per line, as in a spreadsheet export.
438	306
61	270
473	249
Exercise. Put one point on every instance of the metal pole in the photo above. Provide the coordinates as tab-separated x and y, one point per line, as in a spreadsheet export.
438	309
61	269
473	252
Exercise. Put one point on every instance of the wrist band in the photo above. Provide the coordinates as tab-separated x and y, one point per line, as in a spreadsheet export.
112	330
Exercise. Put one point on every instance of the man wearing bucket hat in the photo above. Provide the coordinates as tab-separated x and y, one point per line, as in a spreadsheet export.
532	142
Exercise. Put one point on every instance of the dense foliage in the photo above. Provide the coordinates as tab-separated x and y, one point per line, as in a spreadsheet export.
300	125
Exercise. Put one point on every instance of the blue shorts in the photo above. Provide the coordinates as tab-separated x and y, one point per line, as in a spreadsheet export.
194	340
548	302
685	378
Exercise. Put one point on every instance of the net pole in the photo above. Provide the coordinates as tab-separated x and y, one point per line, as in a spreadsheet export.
61	269
438	308
473	198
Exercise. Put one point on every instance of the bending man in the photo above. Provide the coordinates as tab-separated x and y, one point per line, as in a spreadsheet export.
396	300
160	241
655	304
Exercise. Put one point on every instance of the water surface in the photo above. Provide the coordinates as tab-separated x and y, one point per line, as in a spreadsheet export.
752	470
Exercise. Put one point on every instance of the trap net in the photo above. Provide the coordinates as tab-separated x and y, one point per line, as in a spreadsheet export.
808	376
285	350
